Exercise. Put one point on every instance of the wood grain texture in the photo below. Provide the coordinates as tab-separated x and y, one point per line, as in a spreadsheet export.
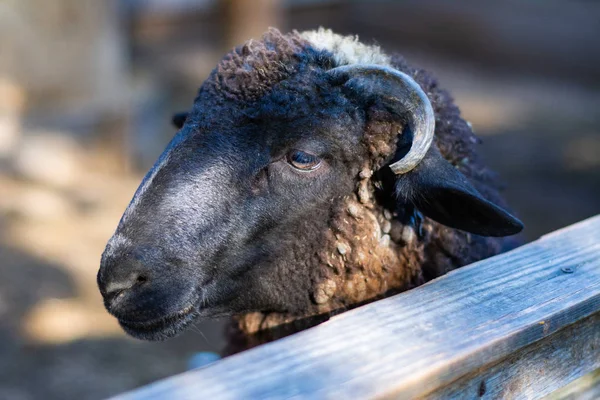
533	308
536	370
584	388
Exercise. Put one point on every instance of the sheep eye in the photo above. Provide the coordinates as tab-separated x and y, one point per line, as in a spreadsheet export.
303	161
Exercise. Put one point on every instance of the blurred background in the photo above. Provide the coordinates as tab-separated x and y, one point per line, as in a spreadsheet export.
87	89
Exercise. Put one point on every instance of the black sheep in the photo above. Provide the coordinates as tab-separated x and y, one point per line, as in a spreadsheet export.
303	182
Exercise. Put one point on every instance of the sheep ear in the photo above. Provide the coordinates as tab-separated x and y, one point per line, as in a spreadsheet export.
442	193
179	119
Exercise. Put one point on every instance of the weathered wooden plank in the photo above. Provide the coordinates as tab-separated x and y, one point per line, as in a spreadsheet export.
434	337
584	388
537	370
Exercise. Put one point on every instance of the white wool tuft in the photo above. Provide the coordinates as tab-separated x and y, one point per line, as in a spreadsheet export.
346	49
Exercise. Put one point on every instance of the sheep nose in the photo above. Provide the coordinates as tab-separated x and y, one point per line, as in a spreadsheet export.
115	288
118	277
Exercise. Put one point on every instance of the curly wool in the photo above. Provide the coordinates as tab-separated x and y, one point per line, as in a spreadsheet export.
248	72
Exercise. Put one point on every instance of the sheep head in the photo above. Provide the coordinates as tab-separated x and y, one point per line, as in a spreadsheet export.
290	189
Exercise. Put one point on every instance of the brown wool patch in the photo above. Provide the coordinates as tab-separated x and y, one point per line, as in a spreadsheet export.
249	71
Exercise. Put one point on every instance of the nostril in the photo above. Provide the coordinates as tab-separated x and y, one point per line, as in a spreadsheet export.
116	288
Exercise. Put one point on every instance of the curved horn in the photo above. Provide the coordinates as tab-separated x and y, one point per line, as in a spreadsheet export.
390	83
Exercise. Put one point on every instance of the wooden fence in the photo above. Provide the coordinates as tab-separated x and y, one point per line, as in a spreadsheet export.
518	325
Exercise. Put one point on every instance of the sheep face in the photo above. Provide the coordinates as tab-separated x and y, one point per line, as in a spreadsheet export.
229	217
241	212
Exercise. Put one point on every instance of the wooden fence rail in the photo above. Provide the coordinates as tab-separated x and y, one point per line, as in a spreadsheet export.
518	325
